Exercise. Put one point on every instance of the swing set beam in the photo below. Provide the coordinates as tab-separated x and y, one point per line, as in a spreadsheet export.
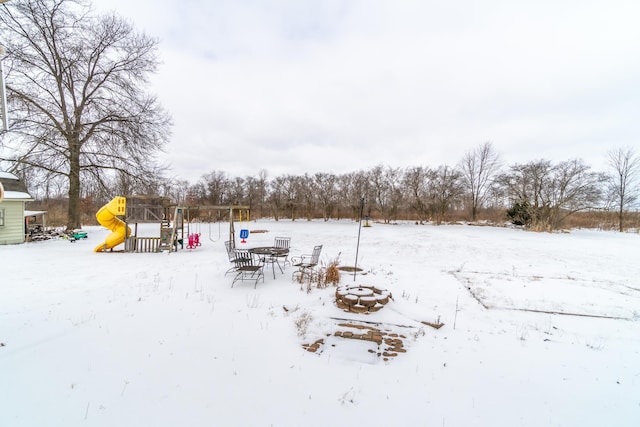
230	209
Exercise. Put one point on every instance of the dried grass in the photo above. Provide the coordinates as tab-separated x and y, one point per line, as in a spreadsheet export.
321	278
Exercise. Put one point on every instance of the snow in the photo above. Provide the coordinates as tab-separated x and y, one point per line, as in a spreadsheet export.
17	195
116	339
32	213
7	175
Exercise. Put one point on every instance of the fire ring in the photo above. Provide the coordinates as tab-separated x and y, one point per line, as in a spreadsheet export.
361	299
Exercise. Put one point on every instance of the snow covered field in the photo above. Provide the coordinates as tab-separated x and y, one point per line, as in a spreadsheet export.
115	339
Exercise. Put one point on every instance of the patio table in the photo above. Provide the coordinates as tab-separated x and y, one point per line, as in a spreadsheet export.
270	254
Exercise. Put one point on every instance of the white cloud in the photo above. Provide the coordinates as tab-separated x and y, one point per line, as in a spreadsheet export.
340	85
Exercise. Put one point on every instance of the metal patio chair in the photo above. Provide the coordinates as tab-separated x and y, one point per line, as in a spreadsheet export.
230	247
247	267
282	243
306	264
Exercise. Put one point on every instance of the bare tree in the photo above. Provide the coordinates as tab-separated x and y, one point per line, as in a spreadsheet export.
252	195
353	188
479	167
306	196
623	184
261	188
76	89
415	184
543	195
177	190
217	188
292	195
238	194
396	191
277	196
380	191
574	188
386	191
445	190
325	187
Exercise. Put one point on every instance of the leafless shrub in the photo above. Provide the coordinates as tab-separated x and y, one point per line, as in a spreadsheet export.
332	274
302	323
320	278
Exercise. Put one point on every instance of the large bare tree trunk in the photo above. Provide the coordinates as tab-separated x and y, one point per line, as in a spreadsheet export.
73	220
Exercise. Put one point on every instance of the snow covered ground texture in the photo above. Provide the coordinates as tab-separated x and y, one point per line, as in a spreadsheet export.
116	339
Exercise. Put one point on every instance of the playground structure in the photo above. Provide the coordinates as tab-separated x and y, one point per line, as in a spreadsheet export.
120	212
107	216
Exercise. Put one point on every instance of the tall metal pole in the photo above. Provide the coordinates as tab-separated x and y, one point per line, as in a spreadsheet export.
3	96
232	231
355	267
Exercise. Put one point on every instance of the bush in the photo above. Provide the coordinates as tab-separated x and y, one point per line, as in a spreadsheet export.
520	214
320	278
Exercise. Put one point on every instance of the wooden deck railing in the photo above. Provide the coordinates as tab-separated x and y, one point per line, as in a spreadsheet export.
142	244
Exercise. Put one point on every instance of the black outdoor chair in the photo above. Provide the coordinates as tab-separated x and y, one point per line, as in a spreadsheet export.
282	243
247	267
306	264
230	247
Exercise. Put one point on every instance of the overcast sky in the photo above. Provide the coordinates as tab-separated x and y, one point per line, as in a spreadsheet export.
305	86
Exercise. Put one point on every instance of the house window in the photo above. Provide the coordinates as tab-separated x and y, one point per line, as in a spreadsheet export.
1	217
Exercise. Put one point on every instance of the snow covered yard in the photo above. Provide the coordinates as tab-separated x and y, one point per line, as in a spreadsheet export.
538	329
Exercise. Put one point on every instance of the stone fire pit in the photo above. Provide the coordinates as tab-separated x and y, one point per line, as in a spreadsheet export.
361	298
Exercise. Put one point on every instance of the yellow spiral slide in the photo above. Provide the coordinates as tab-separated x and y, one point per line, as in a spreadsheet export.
107	216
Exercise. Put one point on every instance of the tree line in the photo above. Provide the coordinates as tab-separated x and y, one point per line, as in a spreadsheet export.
538	195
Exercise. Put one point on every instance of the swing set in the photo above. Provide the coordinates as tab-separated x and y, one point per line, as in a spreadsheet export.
244	233
193	239
236	213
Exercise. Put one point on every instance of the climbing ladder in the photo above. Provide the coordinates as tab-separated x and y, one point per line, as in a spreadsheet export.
172	231
167	235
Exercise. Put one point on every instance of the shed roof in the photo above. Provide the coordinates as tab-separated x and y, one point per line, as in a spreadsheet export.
14	189
7	175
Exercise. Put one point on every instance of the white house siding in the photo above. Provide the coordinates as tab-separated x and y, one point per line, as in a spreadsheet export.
15	196
13	229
